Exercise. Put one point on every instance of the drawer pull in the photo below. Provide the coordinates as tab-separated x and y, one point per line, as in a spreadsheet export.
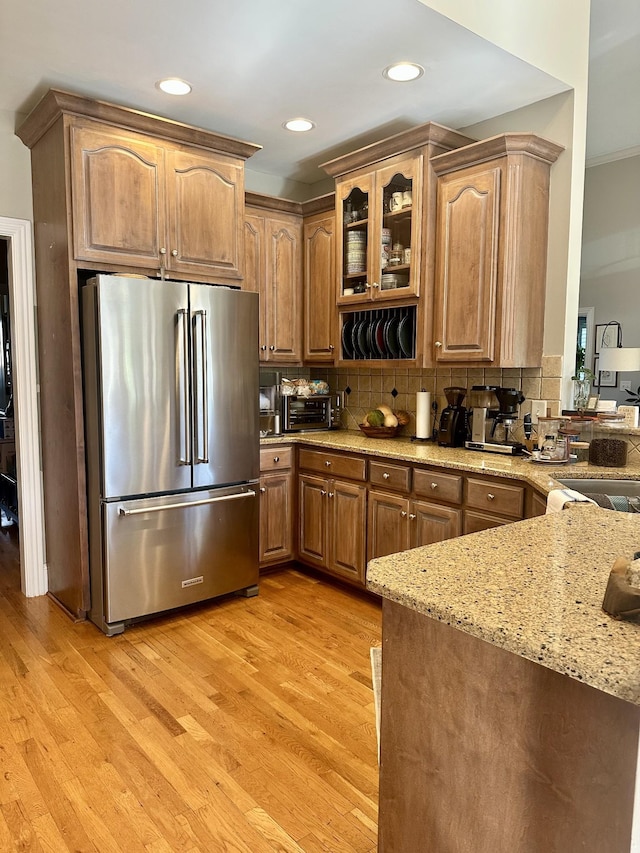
403	513
434	485
412	516
386	476
327	464
276	458
490	497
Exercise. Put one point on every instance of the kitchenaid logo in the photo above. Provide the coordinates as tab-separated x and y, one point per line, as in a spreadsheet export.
192	582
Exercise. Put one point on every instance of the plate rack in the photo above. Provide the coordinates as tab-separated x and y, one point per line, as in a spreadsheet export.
380	334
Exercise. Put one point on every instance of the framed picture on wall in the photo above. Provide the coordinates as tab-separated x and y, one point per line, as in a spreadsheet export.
606	336
604	378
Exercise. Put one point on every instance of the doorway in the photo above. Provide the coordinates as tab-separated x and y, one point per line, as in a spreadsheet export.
22	309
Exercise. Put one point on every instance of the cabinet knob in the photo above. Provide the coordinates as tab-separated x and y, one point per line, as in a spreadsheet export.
174	253
330	494
262	490
490	497
331	347
434	485
272	348
375	284
386	476
438	344
276	458
412	516
263	348
163	251
403	514
367	285
323	492
327	464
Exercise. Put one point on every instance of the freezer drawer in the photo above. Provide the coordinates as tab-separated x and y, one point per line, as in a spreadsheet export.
163	552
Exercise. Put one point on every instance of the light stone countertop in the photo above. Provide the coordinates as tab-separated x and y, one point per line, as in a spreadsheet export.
540	476
533	587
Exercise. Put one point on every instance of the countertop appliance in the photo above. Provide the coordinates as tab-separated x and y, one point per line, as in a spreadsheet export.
270	415
452	431
319	411
171	405
500	437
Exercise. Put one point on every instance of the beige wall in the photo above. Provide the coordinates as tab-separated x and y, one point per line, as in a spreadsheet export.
15	172
610	279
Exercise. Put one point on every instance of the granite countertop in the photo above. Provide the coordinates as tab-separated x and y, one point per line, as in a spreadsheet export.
534	588
540	476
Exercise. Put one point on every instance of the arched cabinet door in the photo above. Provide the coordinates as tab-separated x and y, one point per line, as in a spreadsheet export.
117	186
205	199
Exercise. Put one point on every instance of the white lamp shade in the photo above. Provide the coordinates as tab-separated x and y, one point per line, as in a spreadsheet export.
619	359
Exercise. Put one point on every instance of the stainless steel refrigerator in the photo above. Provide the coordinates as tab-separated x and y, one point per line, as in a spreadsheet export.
172	416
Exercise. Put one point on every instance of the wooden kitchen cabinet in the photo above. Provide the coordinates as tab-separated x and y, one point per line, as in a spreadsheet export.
109	184
143	202
366	181
491	251
273	268
319	304
490	502
397	523
332	514
277	501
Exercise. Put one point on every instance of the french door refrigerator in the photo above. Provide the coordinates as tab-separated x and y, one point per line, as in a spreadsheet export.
172	417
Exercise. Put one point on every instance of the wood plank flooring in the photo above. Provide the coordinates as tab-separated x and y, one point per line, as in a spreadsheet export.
245	726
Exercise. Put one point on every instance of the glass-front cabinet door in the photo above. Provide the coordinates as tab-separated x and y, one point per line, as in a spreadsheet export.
381	216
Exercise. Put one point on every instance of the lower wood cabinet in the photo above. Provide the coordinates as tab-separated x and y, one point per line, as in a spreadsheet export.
397	523
277	501
332	526
490	502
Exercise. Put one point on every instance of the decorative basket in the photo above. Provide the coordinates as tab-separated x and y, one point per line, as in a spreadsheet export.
379	432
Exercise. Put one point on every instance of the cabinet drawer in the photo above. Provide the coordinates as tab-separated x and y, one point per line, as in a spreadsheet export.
438	486
275	458
333	464
396	477
476	521
493	497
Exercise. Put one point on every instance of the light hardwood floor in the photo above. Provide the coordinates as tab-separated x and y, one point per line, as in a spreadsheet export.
246	725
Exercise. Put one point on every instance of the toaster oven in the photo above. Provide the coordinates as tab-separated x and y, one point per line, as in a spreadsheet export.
320	411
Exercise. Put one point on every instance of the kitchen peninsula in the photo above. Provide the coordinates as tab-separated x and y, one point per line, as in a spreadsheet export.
510	700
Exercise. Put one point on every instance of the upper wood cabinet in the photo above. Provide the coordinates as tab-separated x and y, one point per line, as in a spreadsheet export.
273	268
491	251
319	303
386	195
142	202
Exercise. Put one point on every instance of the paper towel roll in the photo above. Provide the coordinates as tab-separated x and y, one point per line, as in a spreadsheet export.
423	414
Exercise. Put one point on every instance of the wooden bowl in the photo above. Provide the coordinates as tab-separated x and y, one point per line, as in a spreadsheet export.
379	432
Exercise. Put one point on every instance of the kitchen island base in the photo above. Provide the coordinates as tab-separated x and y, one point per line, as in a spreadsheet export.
485	751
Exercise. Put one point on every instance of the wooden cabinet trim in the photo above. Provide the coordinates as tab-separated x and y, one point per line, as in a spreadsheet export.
57	102
497	146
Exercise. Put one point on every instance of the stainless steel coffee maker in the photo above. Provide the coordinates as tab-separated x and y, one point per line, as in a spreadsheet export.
493	423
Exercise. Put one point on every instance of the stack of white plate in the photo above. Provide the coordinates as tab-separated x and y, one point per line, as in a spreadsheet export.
390	280
356	251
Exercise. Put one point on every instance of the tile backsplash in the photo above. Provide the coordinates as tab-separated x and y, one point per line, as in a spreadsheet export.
366	387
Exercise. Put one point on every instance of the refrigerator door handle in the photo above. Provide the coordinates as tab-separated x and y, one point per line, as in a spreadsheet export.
161	507
182	361
201	384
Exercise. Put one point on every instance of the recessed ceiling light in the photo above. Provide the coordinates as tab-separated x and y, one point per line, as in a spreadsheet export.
401	72
299	125
174	86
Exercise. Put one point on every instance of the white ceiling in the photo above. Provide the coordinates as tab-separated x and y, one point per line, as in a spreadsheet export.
255	63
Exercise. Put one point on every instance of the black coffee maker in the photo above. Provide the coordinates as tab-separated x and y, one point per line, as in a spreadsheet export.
452	431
